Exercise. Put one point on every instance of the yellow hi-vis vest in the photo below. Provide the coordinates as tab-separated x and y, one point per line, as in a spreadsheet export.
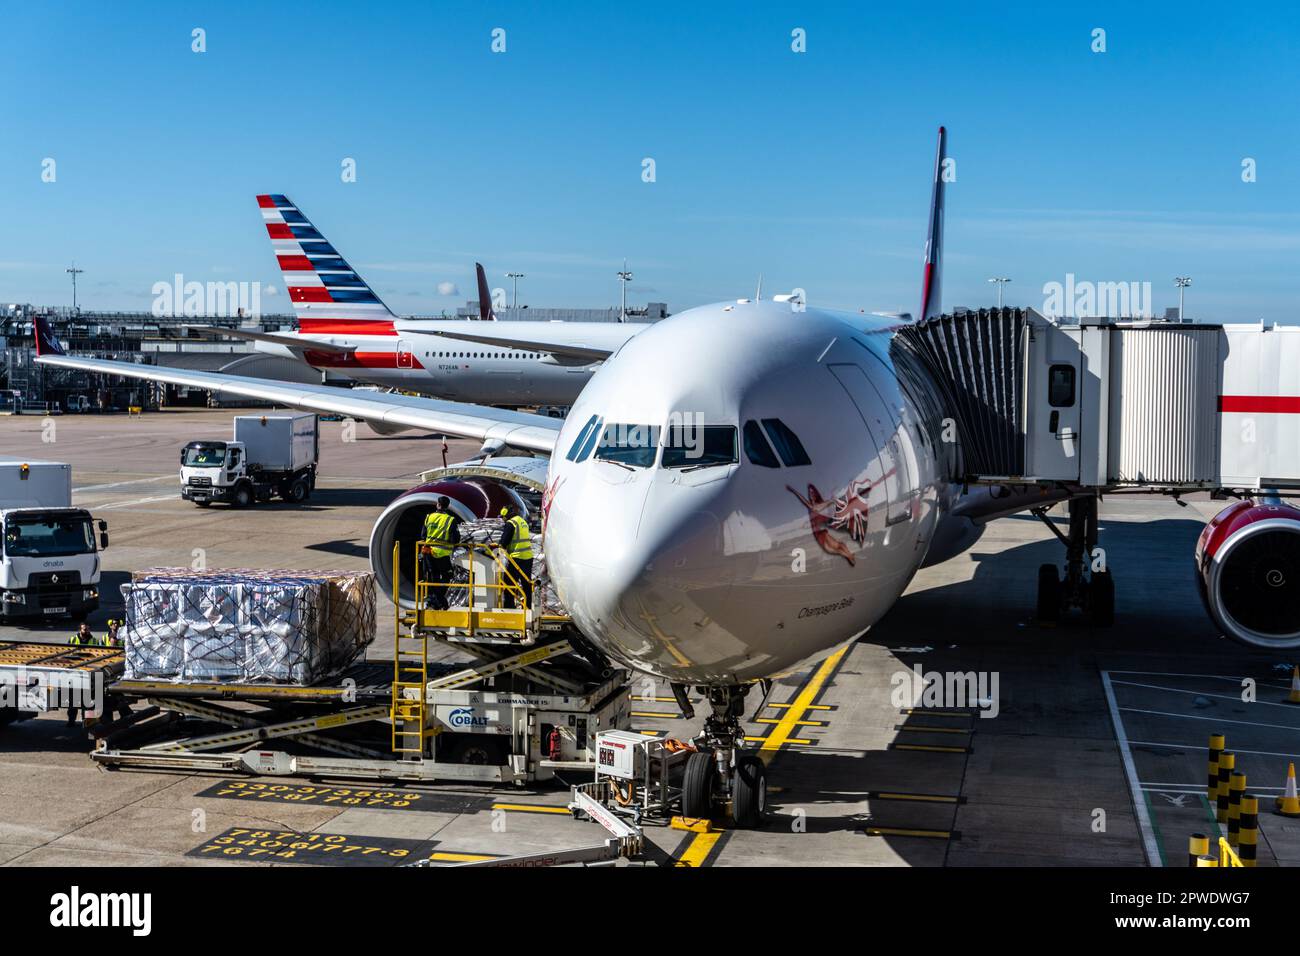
437	529
521	546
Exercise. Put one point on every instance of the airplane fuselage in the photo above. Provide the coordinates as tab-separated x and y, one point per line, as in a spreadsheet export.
741	569
409	358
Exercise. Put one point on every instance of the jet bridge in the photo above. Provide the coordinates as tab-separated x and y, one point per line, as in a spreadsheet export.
1111	405
1048	411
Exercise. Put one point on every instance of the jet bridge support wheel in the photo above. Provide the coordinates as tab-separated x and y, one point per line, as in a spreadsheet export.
1101	599
1049	594
1083	589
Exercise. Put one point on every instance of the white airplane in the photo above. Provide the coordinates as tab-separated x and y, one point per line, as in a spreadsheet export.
344	326
740	490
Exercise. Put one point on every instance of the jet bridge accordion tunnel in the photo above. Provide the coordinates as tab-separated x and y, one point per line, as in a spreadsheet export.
1092	405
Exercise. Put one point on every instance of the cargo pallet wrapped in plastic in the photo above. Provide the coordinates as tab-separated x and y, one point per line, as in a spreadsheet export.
246	626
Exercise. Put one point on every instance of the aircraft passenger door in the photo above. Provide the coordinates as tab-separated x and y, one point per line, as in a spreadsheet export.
1054	404
405	357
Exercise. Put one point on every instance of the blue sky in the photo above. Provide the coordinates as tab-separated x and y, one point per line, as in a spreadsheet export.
812	169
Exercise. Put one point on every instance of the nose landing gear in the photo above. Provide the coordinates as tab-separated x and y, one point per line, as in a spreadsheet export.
722	771
1086	587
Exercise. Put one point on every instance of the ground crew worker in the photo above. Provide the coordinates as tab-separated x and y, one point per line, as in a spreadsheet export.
83	636
112	640
517	542
441	533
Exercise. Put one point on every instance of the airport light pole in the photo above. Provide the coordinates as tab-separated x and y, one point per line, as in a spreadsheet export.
1000	281
1182	282
74	272
624	278
514	294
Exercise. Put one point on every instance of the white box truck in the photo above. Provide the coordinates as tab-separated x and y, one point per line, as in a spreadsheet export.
49	565
269	455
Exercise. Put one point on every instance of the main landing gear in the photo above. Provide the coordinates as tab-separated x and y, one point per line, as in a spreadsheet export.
721	770
1087	586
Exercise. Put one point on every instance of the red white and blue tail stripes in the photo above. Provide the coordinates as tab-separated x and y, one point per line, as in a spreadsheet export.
328	295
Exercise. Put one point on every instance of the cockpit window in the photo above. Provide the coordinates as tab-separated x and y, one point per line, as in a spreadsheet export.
757	450
699	446
786	443
582	438
588	443
631	445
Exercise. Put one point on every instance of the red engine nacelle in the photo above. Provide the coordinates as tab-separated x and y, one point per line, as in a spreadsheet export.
403	521
1248	560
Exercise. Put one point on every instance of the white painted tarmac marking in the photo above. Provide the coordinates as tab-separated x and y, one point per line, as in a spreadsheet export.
1235	680
1199	693
137	501
119	484
1130	771
1236	750
1217	720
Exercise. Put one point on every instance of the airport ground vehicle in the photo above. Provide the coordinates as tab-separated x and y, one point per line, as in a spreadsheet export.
528	706
269	455
49	565
35	678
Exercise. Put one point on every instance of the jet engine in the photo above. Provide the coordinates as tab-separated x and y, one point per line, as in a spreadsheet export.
1248	562
387	428
403	521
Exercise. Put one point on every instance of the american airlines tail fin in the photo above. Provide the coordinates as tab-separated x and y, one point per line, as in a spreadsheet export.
485	310
932	282
328	295
46	343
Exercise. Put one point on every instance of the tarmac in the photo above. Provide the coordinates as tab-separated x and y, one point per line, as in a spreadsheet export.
1080	746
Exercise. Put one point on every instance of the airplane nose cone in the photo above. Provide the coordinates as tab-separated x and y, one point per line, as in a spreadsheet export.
646	587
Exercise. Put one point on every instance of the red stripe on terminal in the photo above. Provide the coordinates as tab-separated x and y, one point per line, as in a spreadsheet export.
309	293
1261	404
346	327
278	230
296	264
265	202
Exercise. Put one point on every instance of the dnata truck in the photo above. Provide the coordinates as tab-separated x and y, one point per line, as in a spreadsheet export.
49	566
270	455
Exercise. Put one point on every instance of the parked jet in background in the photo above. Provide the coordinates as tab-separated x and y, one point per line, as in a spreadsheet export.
344	326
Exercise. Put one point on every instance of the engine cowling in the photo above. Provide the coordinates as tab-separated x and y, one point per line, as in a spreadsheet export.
403	521
388	428
1248	560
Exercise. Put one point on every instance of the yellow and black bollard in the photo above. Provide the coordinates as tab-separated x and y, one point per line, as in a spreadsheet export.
1206	860
1217	743
1198	845
1227	760
1236	787
1249	832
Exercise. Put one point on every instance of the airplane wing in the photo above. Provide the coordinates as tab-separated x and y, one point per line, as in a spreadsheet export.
289	341
520	429
583	352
